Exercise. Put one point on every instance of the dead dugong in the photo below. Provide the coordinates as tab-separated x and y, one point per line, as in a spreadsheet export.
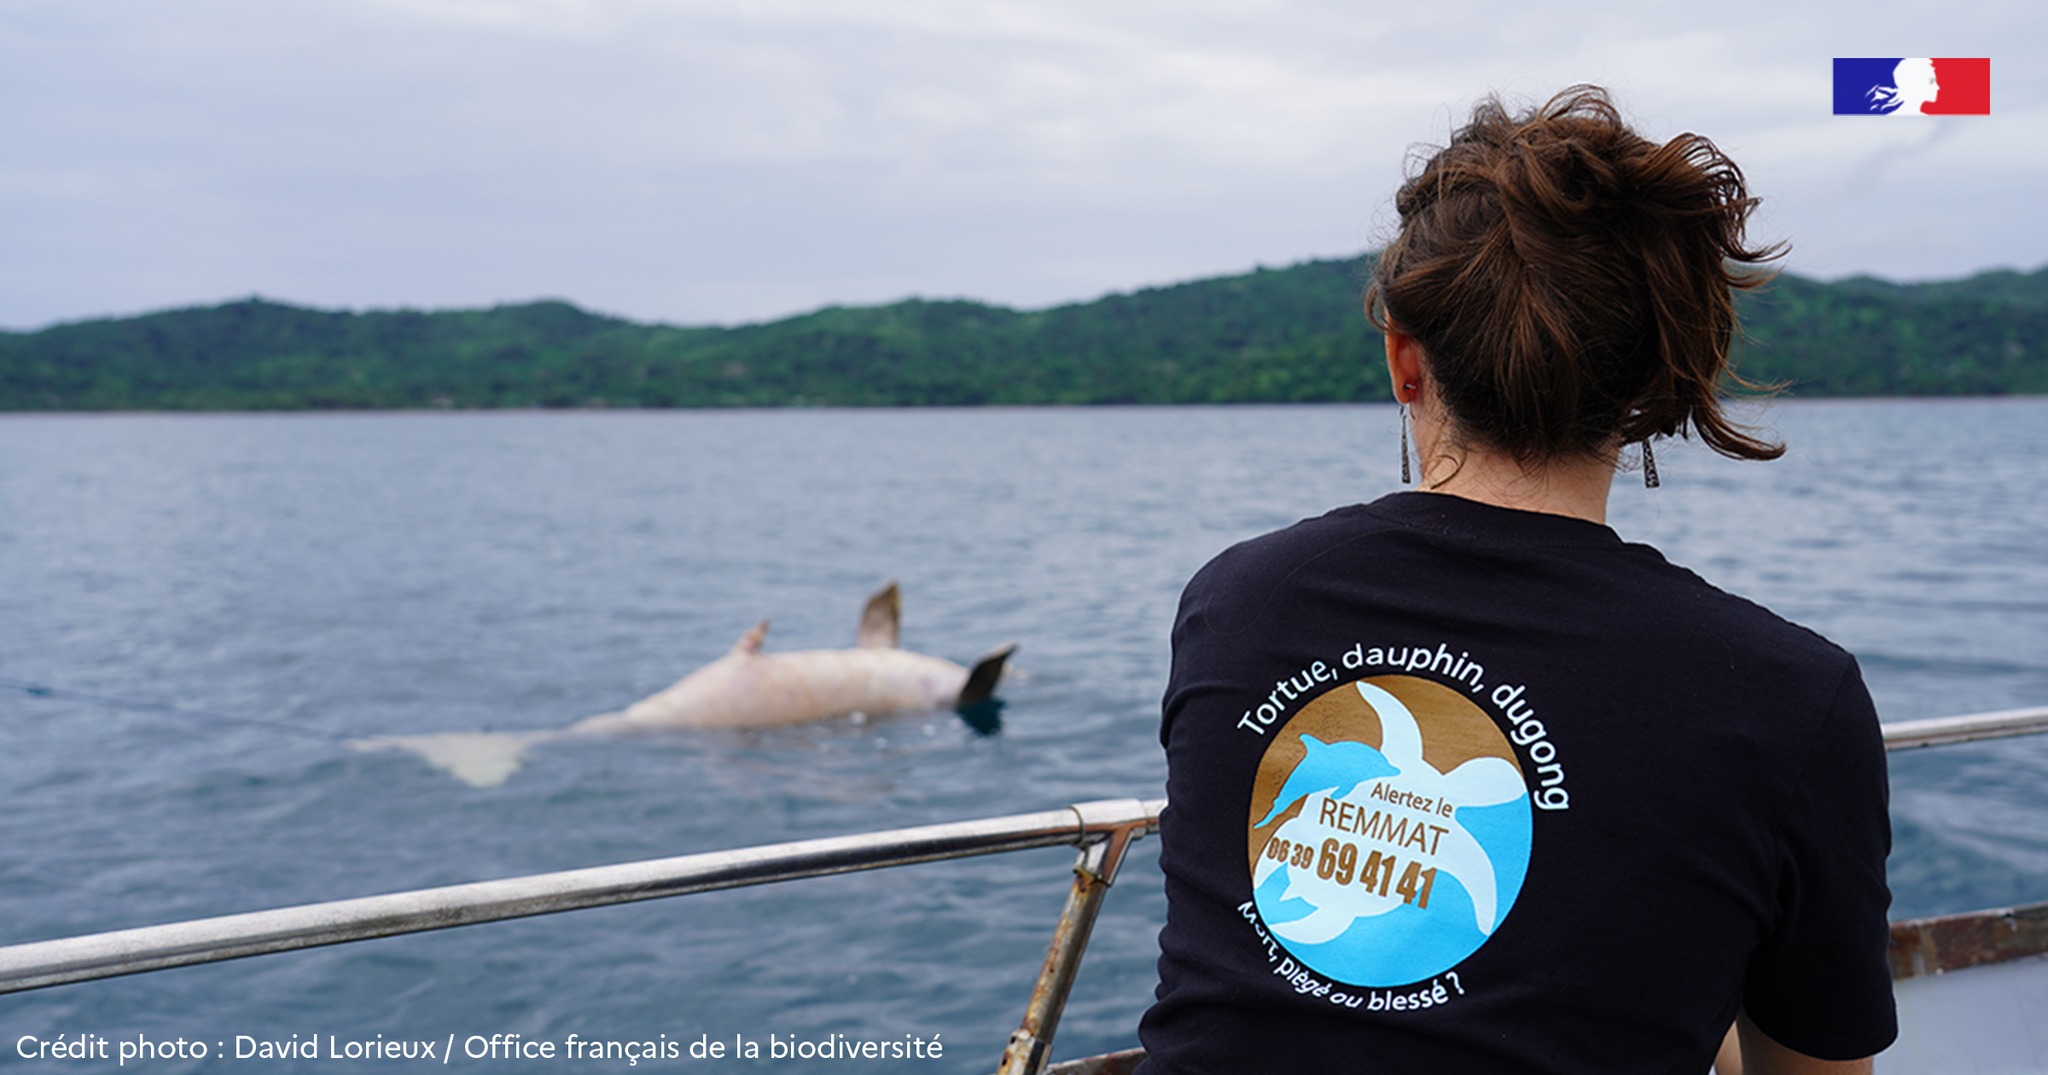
747	688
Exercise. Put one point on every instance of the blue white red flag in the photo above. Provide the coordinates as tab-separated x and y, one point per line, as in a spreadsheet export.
1913	86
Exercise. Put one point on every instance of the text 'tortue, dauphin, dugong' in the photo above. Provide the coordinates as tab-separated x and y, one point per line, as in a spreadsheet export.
747	688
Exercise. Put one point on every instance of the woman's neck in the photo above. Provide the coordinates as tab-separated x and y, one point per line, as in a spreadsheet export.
1573	486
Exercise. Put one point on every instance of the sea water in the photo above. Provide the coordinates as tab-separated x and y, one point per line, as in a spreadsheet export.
197	612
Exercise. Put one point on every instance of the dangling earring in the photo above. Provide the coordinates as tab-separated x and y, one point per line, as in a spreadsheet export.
1650	480
1407	477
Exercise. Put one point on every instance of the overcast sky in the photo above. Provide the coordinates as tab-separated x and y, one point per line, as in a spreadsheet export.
697	161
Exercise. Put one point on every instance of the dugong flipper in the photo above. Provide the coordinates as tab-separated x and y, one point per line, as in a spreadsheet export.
749	688
881	619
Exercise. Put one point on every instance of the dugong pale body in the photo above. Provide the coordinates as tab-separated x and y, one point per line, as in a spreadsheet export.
747	688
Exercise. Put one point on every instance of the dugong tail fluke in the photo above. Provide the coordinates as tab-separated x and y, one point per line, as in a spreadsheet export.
982	679
479	759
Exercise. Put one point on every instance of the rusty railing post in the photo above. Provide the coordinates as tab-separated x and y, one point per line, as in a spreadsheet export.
1109	828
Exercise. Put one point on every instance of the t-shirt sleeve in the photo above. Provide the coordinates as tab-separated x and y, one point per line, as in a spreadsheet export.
1820	981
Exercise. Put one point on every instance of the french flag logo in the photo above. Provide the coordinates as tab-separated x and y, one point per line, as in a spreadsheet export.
1912	86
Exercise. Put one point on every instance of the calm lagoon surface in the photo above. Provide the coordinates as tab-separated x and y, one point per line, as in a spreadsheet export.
220	602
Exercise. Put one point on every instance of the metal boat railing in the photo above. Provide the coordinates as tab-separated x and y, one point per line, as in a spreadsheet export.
1968	728
1101	830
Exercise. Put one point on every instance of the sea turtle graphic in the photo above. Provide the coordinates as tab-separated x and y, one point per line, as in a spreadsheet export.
1380	829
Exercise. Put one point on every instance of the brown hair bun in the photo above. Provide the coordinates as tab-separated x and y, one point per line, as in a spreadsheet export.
1571	282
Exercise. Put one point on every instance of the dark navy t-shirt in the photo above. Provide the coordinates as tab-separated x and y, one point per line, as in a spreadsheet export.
1457	788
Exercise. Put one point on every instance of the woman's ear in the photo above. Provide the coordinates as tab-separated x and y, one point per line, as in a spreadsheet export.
1404	364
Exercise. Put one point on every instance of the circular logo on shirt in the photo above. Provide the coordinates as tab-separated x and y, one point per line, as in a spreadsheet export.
1389	832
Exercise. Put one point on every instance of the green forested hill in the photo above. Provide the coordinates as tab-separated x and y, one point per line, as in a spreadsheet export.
1986	335
1293	334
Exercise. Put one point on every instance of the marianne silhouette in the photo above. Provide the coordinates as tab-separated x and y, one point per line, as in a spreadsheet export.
1913	87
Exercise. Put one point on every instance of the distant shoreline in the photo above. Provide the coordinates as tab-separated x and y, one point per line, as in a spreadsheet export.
1290	335
1761	402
